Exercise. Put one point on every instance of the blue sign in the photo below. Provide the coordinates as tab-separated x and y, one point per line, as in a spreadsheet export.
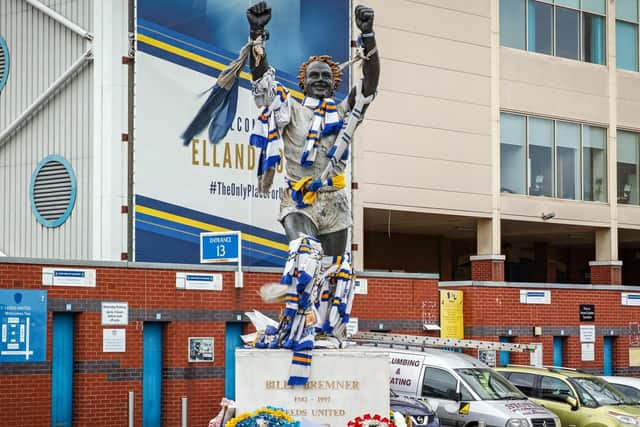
220	247
23	325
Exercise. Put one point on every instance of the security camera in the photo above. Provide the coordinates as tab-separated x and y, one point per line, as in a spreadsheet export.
548	215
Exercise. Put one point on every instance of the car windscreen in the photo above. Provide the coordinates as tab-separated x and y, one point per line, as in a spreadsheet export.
489	384
596	392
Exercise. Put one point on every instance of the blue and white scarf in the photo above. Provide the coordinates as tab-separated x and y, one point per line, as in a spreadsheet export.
266	133
326	121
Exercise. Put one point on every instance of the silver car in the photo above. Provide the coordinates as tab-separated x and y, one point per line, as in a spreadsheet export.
463	390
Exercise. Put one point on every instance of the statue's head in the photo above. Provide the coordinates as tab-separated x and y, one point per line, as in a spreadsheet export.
319	77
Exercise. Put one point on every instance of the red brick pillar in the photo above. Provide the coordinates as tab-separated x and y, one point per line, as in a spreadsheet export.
487	268
606	272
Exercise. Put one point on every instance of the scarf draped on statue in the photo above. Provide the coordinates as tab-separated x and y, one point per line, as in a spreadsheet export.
309	307
266	133
220	107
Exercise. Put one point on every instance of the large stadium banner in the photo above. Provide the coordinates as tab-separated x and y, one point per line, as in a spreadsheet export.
184	190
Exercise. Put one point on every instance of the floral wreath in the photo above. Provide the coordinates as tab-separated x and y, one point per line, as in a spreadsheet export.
367	420
263	417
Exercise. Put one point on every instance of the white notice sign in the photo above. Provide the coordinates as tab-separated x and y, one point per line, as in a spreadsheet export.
115	313
361	286
352	326
588	352
587	333
199	281
68	277
113	341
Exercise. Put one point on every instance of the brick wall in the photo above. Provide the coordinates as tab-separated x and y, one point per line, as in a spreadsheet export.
606	274
492	312
102	380
487	270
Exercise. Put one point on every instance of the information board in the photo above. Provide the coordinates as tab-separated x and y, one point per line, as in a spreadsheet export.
23	325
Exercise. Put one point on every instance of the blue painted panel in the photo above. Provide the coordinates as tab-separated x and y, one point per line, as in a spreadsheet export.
23	325
232	341
608	356
152	375
62	370
504	358
557	351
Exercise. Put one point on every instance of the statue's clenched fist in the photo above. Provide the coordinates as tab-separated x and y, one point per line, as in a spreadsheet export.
364	18
258	16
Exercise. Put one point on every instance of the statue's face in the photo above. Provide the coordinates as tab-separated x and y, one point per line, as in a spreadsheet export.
318	80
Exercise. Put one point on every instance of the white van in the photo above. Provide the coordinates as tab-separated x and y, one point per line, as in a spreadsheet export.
463	391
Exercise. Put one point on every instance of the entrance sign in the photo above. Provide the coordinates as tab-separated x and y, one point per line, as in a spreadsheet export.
223	246
23	325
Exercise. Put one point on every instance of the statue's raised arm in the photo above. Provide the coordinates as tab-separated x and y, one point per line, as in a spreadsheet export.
258	16
371	65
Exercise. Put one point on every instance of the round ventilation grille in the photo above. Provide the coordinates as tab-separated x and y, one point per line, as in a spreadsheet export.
52	191
4	63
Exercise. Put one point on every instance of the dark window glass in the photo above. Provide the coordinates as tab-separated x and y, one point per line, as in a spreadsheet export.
442	385
593	32
555	389
525	382
628	144
594	163
512	23
540	27
629	392
567	33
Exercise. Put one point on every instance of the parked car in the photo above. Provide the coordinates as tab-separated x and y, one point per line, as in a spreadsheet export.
462	390
419	413
629	386
578	398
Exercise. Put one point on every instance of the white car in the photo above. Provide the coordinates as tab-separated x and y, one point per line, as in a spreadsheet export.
629	386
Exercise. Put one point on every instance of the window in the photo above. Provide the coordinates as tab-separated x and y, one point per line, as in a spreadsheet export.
441	384
627	34
540	157
513	136
512	17
488	384
564	159
593	38
573	29
568	153
627	165
631	393
567	33
594	163
524	382
540	27
555	389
